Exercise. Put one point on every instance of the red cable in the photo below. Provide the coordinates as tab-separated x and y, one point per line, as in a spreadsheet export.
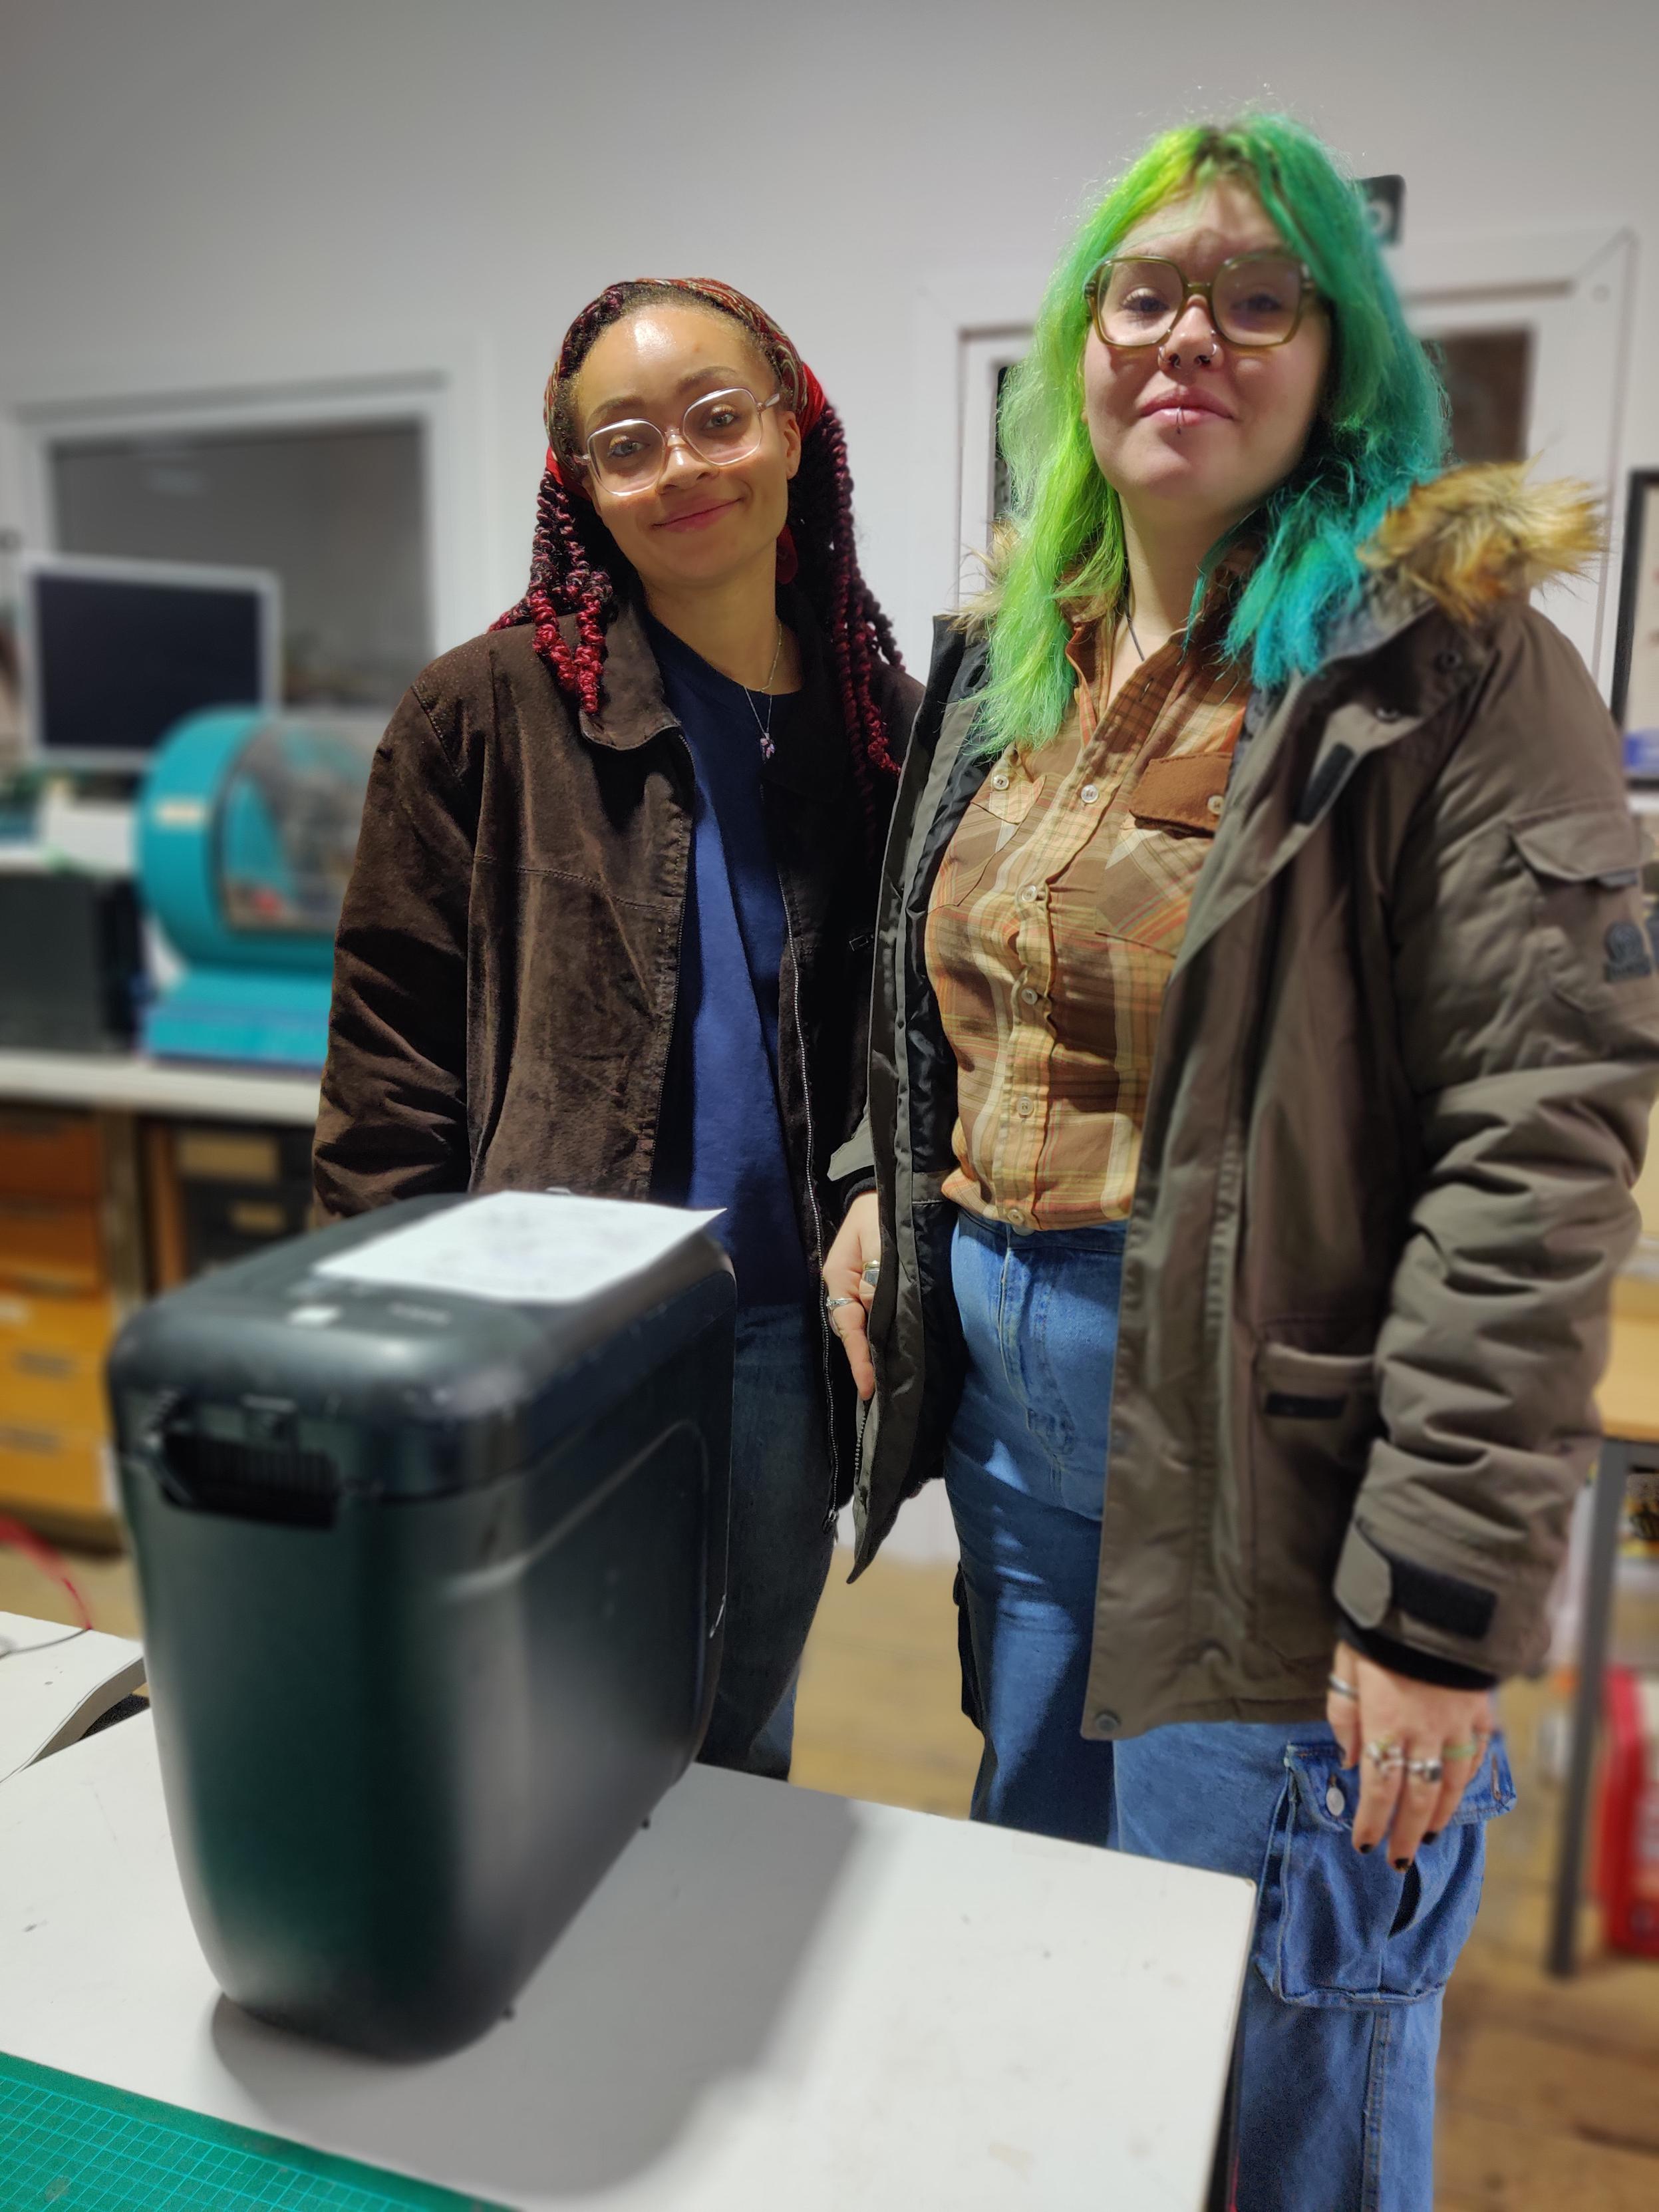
49	1561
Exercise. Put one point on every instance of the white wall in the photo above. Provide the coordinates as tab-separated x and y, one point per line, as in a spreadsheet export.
194	192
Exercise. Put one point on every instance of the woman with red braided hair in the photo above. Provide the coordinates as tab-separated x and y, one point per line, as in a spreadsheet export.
609	926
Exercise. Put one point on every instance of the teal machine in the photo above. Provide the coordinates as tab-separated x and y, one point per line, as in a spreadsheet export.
247	829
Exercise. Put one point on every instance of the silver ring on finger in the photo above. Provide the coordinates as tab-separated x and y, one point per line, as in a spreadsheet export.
1425	1770
1342	1689
870	1269
1386	1754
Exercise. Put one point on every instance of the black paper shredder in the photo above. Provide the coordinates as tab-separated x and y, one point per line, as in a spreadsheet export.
432	1588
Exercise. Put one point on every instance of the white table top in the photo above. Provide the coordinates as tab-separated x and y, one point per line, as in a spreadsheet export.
131	1083
55	1682
775	1998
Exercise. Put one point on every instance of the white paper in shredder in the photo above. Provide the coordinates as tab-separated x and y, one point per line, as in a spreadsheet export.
518	1246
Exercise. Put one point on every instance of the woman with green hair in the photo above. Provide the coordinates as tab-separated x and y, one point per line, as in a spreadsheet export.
1264	1013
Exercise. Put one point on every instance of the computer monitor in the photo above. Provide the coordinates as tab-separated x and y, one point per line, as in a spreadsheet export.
114	653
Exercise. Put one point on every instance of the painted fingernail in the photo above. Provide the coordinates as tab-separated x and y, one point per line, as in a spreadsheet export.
1368	1847
1400	1865
1434	1836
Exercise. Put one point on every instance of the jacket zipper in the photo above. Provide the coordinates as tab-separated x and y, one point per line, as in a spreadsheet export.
674	993
904	1227
817	1220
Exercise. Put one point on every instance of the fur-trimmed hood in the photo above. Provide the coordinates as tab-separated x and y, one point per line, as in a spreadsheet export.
1477	535
1467	540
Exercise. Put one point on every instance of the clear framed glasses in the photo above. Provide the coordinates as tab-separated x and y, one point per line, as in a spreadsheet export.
720	427
1254	300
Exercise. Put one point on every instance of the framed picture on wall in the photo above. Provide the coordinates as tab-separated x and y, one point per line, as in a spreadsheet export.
1636	659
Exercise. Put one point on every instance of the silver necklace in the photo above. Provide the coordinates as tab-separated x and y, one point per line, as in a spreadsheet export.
1129	624
765	728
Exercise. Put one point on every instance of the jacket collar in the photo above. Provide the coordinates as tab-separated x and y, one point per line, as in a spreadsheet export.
811	756
634	709
1258	836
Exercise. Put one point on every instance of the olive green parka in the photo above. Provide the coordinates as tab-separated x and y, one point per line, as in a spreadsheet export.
1400	1093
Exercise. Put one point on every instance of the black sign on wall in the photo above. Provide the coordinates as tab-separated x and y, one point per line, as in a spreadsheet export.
1385	204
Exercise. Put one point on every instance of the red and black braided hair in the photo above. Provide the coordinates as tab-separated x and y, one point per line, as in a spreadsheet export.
577	571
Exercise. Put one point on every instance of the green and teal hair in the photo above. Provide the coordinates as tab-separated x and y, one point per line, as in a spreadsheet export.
1381	428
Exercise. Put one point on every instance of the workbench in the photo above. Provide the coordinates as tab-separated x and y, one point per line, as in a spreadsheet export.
775	1999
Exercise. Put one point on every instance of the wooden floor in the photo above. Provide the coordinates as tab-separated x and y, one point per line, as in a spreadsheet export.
1549	2091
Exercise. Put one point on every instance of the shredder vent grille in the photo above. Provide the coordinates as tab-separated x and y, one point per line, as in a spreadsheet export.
258	1482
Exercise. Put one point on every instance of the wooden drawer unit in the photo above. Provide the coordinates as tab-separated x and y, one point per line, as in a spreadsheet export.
52	1361
50	1245
53	1471
219	1193
48	1155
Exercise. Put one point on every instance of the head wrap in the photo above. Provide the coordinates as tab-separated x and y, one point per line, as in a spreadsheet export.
803	395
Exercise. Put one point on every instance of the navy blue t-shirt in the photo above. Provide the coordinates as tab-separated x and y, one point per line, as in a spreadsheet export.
721	1137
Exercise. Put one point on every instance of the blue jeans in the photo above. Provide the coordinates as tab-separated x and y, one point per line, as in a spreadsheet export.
782	1535
1340	2020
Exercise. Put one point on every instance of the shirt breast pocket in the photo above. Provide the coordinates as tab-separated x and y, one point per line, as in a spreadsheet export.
1173	814
1008	795
1184	795
994	815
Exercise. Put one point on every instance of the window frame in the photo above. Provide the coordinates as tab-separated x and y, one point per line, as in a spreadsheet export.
443	395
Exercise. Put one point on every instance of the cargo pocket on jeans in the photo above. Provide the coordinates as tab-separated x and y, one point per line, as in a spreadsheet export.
1315	1415
1336	1928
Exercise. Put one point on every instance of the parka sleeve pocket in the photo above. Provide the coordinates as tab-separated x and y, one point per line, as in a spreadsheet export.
1585	868
1339	1930
1314	1418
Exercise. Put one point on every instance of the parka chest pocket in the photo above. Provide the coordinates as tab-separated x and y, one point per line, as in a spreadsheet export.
1314	1417
1583	865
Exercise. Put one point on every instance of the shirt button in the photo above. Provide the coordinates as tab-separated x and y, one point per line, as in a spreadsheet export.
1106	1719
999	783
1029	995
1014	1214
1090	792
1214	802
1026	1106
1032	894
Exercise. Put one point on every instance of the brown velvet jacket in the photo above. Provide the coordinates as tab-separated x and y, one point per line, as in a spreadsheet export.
508	954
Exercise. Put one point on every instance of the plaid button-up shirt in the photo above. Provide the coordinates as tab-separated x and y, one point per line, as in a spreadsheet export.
1055	919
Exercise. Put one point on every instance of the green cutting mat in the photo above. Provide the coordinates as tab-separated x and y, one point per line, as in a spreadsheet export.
68	2145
